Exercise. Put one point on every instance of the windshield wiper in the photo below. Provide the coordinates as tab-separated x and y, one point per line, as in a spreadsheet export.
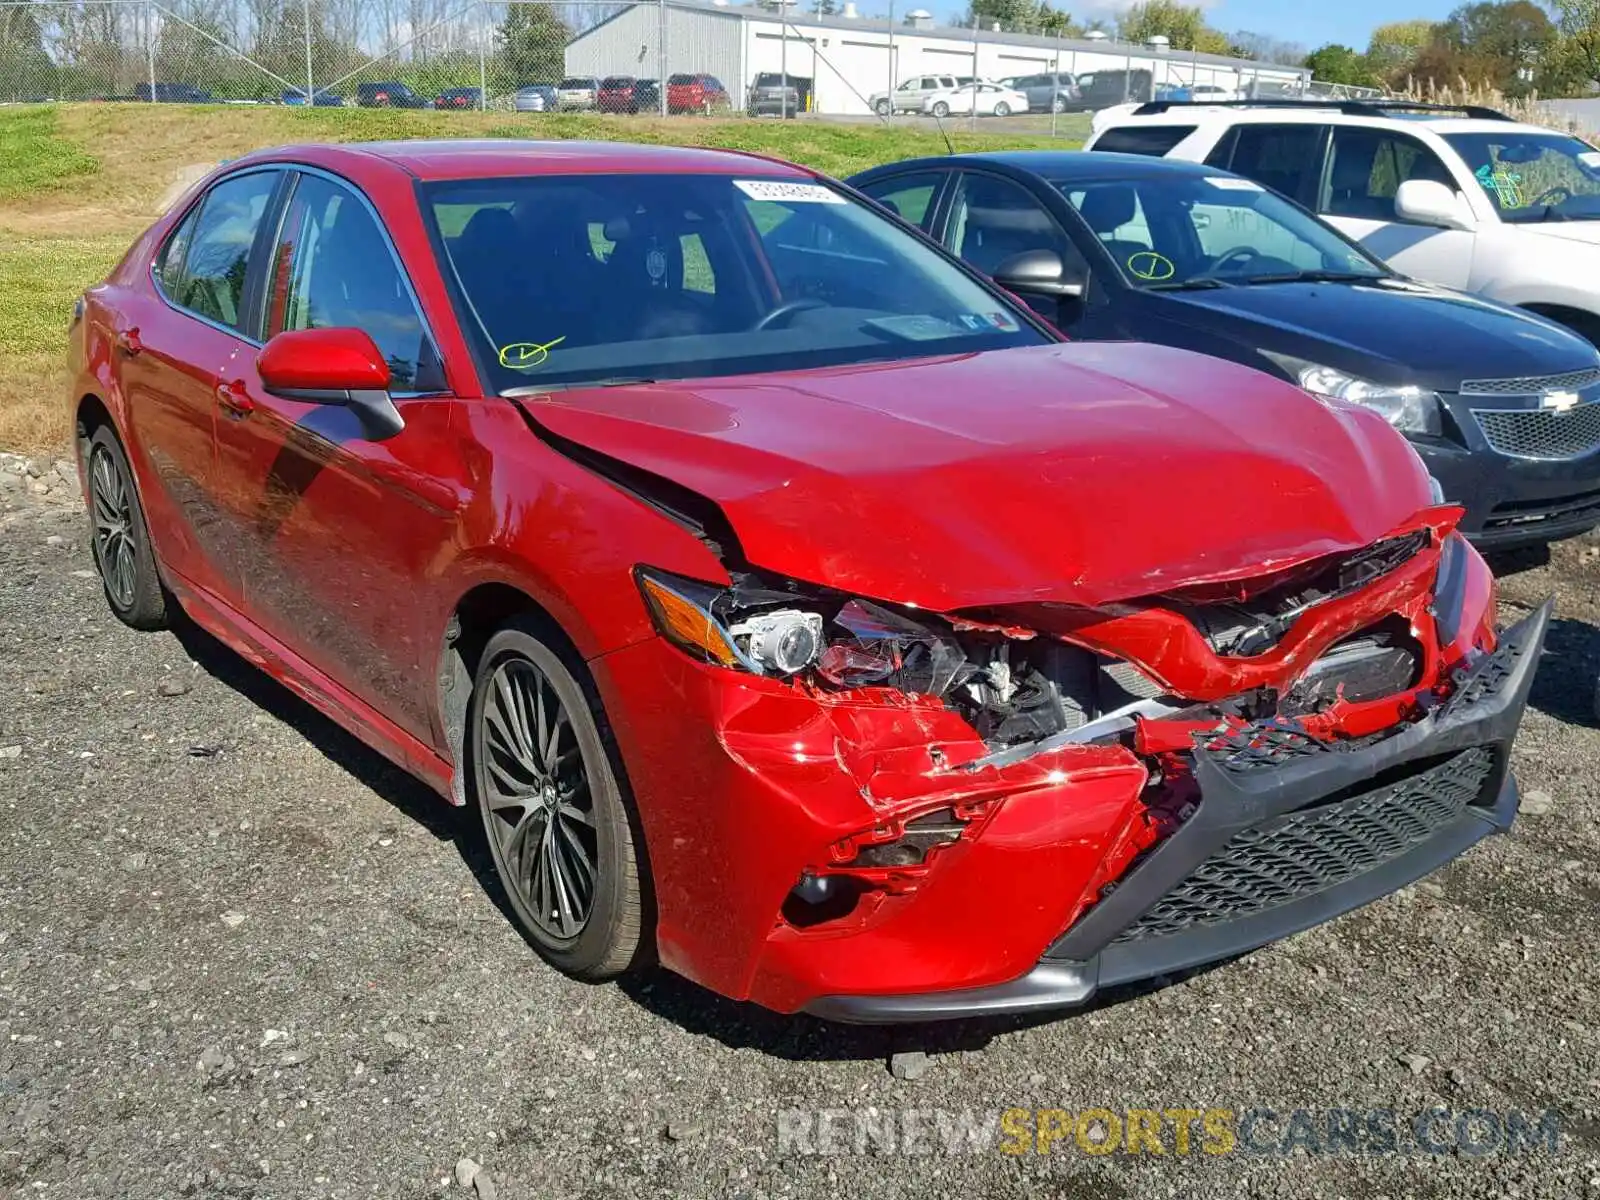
1311	277
1198	283
540	389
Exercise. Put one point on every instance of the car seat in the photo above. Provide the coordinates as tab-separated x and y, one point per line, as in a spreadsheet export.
1106	209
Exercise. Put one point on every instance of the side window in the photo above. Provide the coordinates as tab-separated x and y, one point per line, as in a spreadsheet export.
1369	165
218	255
911	196
698	275
994	219
333	269
169	262
1281	157
1154	140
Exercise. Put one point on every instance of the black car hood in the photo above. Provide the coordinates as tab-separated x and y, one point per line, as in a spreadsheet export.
1390	330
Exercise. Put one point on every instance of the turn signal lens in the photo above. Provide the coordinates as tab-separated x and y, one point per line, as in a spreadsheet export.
686	623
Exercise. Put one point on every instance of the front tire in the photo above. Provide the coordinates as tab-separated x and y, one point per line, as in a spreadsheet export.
1002	109
1058	105
941	110
122	551
884	108
553	808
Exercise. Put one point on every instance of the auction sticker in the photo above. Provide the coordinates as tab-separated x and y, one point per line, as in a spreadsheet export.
1229	184
787	193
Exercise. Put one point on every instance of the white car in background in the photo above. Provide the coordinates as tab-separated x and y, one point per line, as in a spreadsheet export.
908	97
989	99
1465	197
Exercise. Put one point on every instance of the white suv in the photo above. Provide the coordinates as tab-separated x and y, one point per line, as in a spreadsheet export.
908	97
1464	197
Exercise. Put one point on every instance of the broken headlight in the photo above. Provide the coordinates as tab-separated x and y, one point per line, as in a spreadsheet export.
767	631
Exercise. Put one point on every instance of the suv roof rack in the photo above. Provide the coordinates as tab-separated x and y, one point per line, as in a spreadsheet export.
1350	108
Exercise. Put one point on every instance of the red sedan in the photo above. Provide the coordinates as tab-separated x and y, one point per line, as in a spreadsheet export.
793	606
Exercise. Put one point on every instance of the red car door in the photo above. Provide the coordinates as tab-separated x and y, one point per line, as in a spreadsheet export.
339	532
171	347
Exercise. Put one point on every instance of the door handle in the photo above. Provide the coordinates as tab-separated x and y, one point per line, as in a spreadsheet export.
234	399
128	341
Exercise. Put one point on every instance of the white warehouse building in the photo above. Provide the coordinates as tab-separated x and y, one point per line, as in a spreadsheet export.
849	58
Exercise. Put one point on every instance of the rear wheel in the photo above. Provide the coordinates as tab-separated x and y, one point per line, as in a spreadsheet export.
1059	104
553	808
121	539
941	110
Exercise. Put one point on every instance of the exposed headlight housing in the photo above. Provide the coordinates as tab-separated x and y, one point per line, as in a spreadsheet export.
1409	409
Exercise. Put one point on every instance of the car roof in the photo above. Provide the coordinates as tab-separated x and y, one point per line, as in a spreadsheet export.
484	158
1091	164
1324	114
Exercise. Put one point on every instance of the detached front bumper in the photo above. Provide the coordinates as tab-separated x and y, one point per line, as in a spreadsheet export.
1289	832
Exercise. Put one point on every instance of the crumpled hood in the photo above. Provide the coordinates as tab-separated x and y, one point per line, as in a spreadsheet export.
1077	474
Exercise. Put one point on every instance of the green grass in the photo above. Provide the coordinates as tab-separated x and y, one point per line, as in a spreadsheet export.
79	181
34	157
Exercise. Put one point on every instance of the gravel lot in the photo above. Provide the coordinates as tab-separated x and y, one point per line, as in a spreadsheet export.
243	957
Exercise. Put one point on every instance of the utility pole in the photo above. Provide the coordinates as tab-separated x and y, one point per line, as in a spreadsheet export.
890	92
661	54
305	15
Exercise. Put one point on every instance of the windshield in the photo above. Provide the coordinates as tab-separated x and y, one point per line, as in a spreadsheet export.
1533	176
576	85
584	279
1176	231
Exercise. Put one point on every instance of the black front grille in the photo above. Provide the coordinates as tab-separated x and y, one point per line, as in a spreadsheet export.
1541	433
1305	852
1532	385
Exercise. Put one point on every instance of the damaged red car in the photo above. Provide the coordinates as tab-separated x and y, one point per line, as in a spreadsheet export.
794	607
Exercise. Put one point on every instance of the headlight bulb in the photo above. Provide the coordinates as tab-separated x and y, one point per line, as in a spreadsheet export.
783	642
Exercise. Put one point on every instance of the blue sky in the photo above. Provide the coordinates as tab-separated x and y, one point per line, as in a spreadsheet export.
1312	25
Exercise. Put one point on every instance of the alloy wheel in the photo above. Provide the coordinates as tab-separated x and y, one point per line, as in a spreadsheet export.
541	808
115	549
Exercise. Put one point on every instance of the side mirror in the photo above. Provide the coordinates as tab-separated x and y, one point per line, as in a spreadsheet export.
332	366
1428	202
1038	273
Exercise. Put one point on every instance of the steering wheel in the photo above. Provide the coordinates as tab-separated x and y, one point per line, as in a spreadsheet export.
786	310
1239	254
1544	198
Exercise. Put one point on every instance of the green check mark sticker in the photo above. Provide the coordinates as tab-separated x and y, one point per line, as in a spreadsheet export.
525	356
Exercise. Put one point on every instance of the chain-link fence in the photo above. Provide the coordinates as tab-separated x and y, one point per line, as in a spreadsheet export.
666	57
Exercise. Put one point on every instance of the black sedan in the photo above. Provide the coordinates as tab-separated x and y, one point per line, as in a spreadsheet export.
1502	405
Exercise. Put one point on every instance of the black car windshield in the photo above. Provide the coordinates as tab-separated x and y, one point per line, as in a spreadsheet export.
1174	231
583	279
1533	176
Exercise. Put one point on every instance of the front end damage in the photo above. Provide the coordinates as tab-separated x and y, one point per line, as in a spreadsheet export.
875	813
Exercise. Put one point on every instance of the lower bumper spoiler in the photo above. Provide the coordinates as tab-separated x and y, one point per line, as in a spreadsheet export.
1244	789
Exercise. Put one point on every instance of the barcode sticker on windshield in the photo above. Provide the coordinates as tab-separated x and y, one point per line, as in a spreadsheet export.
787	193
1229	184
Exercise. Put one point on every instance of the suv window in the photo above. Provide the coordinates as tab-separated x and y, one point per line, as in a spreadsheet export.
994	219
1154	140
333	269
217	259
1283	157
1368	167
910	196
583	85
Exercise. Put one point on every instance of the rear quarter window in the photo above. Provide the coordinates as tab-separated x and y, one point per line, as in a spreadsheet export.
1151	140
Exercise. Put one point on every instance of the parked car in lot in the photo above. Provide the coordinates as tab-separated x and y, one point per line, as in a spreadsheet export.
727	608
578	93
388	94
1103	89
1464	197
988	99
1047	92
772	95
908	97
173	93
617	94
535	97
460	98
1503	406
319	99
697	93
